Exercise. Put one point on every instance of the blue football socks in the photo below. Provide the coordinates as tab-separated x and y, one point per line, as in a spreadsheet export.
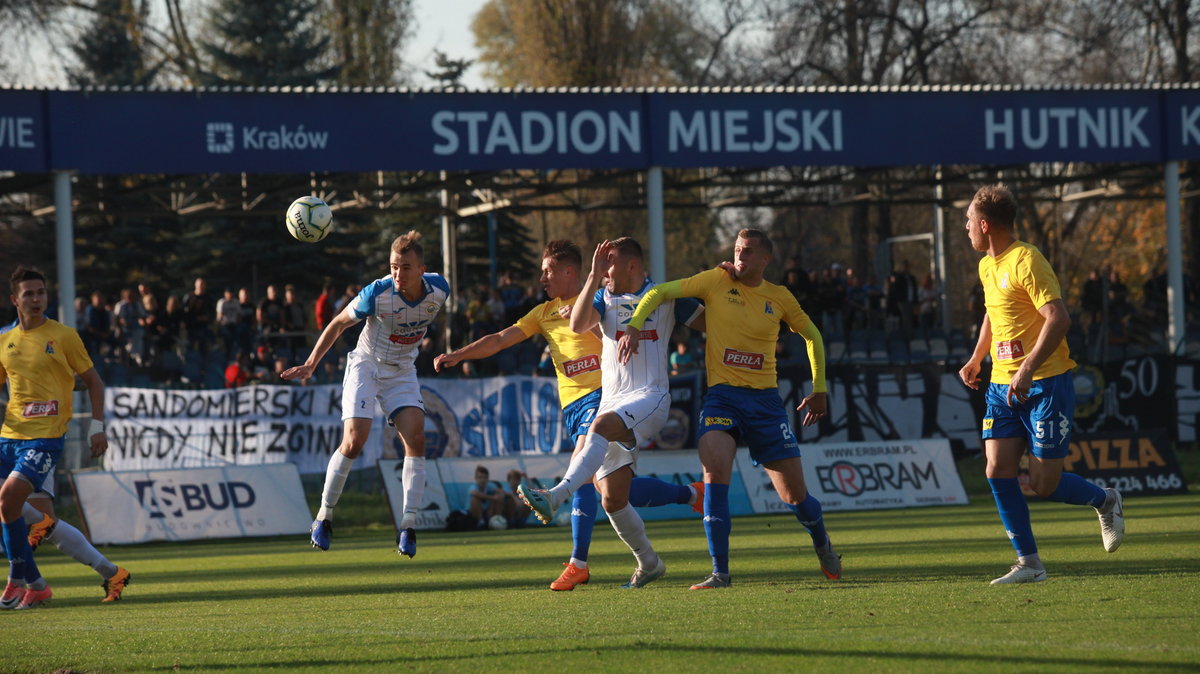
649	492
20	555
717	524
809	514
1075	490
1014	514
584	505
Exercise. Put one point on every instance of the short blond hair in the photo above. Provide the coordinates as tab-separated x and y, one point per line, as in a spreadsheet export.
996	204
411	240
763	239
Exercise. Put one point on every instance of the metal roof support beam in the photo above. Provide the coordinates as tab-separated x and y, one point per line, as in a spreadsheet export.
1176	324
654	212
64	237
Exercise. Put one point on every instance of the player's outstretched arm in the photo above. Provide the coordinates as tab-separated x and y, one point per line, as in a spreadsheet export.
816	403
97	439
481	348
969	373
328	337
650	301
584	316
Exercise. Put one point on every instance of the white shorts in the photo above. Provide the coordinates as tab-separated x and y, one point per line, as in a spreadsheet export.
617	457
368	381
643	412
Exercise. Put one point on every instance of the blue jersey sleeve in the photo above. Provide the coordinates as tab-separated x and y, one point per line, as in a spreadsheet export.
687	309
598	302
364	304
438	281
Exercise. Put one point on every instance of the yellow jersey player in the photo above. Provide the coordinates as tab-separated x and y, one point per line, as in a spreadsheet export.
743	313
577	364
1031	397
39	359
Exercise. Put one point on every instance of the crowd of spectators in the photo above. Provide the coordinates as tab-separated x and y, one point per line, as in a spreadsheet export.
196	340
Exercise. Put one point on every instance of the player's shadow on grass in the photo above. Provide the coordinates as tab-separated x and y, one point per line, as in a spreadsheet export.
704	651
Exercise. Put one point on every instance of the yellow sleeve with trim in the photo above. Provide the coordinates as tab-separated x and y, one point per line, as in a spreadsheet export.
77	355
531	323
650	301
1039	279
816	355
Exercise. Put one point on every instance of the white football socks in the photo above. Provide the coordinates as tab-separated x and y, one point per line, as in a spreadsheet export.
583	466
73	543
413	478
632	530
335	482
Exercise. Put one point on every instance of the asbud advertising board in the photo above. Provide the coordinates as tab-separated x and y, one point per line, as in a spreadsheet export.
868	475
154	505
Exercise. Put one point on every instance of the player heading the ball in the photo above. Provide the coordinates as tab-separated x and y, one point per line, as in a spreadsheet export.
398	308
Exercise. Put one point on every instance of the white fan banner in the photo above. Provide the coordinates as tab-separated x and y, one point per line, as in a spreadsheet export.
186	504
153	429
866	476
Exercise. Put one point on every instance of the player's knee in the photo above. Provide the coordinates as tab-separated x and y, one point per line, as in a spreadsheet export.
610	426
612	504
1044	486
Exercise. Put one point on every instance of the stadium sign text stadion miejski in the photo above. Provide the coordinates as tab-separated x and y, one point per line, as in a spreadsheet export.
269	131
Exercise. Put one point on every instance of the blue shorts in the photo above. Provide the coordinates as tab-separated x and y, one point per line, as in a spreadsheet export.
34	459
578	416
756	416
1044	419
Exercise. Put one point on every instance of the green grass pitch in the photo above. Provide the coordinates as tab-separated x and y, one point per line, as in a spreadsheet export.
915	597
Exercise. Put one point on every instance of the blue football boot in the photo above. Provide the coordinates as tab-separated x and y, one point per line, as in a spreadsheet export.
321	533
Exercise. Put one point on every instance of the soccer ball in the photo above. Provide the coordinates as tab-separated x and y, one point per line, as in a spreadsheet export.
498	522
309	219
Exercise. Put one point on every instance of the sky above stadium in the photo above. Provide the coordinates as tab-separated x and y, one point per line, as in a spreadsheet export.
442	25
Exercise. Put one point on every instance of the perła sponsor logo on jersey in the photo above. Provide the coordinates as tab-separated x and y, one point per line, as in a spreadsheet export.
750	361
222	137
585	364
46	408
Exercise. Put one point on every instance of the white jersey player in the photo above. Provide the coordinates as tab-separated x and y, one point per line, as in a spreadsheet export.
635	402
399	310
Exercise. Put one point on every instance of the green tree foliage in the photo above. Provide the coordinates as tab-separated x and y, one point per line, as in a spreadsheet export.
449	71
587	43
367	38
111	51
266	43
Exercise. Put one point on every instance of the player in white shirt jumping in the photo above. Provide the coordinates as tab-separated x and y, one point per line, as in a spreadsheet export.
635	398
398	308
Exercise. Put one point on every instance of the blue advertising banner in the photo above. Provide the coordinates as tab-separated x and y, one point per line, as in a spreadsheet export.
23	134
178	132
1182	114
903	128
294	132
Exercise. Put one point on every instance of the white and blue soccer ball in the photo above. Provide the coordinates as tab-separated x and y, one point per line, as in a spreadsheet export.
309	219
498	522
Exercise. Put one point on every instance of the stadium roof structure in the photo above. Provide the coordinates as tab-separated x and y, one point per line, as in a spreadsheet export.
535	149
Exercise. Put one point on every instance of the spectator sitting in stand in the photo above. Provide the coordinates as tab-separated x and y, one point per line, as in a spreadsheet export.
486	498
681	359
240	372
514	508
